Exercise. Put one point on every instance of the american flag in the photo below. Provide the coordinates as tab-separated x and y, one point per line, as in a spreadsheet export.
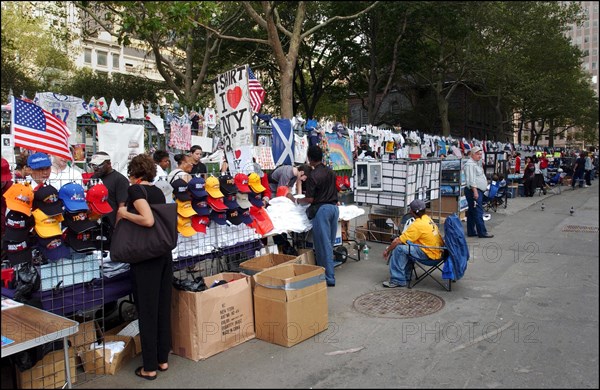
257	93
37	129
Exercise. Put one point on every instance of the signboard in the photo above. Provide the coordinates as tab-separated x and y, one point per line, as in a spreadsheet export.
235	116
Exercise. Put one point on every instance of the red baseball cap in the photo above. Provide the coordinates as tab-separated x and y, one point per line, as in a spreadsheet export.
97	198
200	223
241	181
216	204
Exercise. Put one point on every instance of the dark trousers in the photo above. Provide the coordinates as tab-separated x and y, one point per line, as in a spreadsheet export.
529	186
152	284
588	177
475	224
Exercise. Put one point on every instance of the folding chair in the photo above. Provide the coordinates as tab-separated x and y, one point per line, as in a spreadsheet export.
453	263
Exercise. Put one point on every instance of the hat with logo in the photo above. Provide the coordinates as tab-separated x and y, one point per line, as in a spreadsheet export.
219	218
184	226
213	187
73	196
97	198
184	208
417	205
180	190
6	175
474	149
241	181
39	161
18	251
242	200
46	226
201	206
255	184
18	226
230	202
82	242
216	204
19	197
227	184
53	248
99	158
200	223
255	199
196	187
46	198
235	216
246	217
79	221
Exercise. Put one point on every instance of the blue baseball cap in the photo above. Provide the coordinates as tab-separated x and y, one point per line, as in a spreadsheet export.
196	187
73	196
39	161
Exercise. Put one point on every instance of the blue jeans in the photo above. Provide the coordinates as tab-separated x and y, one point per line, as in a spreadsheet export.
475	224
324	230
400	266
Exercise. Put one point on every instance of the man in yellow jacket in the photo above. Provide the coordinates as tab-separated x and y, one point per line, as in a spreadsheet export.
423	231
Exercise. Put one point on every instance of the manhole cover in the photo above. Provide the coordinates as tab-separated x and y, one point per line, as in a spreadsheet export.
398	303
580	229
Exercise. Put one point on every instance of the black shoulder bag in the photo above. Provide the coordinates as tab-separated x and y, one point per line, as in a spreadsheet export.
132	243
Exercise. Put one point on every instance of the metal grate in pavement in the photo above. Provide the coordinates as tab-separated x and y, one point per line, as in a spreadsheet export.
580	229
398	303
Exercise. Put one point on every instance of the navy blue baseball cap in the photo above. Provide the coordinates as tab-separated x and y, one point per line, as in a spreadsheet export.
196	187
53	248
231	202
219	218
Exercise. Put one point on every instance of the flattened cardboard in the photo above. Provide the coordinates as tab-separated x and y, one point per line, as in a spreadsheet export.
290	303
48	373
211	321
306	256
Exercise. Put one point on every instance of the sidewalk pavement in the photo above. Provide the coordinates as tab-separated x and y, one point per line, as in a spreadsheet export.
525	314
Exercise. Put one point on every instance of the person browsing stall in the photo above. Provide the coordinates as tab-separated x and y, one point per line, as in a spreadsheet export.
323	211
152	278
183	170
162	161
476	184
115	182
423	231
197	165
62	173
40	166
290	177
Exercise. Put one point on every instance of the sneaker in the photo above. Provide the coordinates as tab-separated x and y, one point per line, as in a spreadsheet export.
390	284
586	186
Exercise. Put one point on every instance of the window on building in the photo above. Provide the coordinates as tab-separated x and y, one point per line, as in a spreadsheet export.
87	56
593	65
101	58
115	61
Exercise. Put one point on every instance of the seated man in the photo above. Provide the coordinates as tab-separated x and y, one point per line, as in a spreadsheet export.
423	231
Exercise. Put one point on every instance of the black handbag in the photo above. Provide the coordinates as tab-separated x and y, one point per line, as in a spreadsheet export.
132	243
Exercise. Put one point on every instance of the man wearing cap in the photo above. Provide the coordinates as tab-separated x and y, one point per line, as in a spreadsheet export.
40	168
115	182
323	197
423	231
476	184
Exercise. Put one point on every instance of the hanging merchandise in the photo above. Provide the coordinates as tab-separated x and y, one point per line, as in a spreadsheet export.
181	134
210	117
283	141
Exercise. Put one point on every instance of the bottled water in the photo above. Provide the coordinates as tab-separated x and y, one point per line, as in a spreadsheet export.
366	252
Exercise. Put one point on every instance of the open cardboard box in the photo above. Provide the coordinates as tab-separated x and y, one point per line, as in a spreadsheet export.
208	322
49	372
137	341
290	303
257	264
97	359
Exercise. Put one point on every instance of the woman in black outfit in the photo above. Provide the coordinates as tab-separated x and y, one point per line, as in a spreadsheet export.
529	177
152	278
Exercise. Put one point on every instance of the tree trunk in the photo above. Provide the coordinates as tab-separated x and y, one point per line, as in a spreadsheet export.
286	91
442	104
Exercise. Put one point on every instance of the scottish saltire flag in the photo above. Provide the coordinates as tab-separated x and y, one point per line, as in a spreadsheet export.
283	141
34	128
256	91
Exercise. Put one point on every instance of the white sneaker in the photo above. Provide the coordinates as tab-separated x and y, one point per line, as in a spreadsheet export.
586	186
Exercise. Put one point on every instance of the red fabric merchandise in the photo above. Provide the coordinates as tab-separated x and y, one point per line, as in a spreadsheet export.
264	180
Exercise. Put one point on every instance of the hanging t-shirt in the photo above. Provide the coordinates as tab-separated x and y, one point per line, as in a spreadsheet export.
64	107
210	117
181	135
300	148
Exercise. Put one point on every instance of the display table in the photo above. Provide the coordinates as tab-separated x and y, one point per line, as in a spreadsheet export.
30	327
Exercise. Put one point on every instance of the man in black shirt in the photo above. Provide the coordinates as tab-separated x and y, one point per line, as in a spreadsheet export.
323	211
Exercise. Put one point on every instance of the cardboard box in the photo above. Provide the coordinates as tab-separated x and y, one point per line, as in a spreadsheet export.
137	341
97	359
48	373
87	334
257	264
290	303
306	256
211	321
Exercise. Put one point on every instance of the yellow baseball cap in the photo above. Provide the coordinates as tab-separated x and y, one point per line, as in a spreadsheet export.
46	226
255	184
184	208
213	187
184	226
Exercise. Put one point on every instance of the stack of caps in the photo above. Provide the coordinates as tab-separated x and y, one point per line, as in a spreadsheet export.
256	190
230	190
215	201
243	204
79	227
200	221
17	240
184	207
48	209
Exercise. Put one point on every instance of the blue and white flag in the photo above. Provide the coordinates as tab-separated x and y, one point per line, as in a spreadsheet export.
283	141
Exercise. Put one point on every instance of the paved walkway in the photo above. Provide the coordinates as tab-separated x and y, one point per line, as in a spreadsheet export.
524	315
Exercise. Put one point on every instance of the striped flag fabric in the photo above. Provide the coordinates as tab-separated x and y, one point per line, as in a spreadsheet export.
257	92
36	129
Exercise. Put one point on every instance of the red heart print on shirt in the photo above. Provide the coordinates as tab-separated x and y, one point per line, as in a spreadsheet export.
234	96
237	153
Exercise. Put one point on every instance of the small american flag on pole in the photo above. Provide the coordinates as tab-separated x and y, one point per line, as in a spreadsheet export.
257	92
36	129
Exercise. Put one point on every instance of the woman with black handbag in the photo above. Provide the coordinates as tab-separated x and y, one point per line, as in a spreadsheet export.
152	278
